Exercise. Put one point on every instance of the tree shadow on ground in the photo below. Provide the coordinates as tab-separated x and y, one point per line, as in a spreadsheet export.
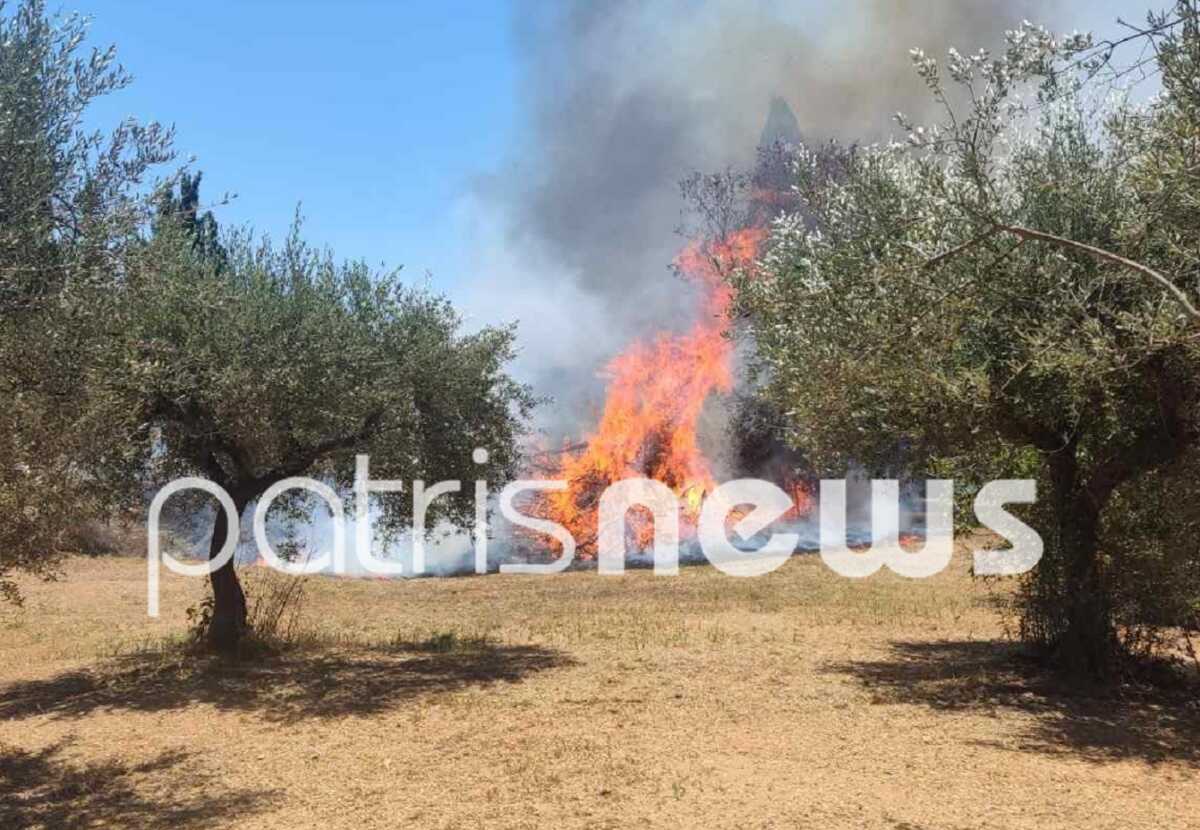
41	789
290	686
1127	722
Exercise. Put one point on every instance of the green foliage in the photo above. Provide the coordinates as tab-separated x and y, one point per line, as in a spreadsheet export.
908	304
1152	555
248	363
278	361
70	207
138	342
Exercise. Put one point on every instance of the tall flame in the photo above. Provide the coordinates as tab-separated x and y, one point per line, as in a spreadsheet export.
655	394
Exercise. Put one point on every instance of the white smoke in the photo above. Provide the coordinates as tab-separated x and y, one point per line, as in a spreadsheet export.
573	236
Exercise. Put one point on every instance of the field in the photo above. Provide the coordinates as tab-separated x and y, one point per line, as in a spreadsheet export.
800	699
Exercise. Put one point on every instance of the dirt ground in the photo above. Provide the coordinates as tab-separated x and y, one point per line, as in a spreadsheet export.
800	699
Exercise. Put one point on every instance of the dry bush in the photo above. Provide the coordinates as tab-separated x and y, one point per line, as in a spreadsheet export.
275	604
275	608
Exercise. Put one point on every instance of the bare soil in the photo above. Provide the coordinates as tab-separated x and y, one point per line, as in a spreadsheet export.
800	699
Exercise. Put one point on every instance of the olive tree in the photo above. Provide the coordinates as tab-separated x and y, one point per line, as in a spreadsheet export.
276	361
1012	289
71	203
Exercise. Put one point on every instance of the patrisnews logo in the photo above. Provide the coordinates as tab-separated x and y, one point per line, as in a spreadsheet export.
750	509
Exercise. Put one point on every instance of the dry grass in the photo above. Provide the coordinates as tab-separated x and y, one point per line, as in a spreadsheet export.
794	700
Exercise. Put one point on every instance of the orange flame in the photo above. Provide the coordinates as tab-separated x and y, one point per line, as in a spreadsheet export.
655	394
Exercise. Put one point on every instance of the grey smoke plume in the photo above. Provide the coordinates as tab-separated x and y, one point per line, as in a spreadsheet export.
622	99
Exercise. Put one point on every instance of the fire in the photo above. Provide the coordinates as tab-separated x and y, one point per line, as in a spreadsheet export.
802	498
655	393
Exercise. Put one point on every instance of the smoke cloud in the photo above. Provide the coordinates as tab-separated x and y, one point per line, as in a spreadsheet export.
622	99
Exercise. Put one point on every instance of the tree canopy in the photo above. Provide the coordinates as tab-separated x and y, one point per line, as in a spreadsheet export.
71	203
140	341
1011	289
264	362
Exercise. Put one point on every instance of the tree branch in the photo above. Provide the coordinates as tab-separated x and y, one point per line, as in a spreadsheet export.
1107	256
953	252
1096	253
310	455
1160	443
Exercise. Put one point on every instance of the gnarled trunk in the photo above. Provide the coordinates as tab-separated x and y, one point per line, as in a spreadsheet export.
228	622
1087	645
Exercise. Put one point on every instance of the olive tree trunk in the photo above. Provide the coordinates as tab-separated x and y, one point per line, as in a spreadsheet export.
228	622
1087	643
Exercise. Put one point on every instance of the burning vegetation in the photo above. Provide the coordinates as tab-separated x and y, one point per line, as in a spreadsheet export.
657	388
656	392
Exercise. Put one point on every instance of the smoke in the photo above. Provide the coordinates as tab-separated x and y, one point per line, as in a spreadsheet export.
622	99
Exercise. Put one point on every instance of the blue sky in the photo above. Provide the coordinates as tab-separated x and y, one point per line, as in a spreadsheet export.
376	120
376	115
